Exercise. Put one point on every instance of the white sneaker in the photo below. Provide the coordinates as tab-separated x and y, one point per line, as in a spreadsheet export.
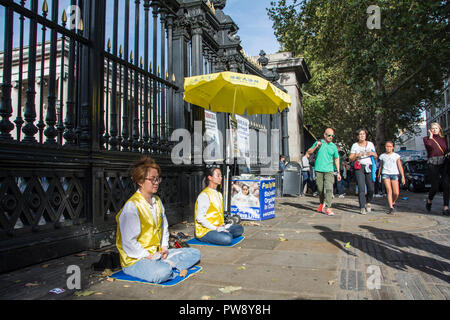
341	196
363	211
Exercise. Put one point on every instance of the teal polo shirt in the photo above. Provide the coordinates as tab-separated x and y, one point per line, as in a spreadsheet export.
325	156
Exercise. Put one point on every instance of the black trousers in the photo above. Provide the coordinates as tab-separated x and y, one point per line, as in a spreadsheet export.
364	179
438	175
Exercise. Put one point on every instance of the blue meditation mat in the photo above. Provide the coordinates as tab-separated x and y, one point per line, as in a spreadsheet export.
235	241
121	276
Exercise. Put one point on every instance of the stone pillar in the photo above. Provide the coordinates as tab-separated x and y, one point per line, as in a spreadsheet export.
293	73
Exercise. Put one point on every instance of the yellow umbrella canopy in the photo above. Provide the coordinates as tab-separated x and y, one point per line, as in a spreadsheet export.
235	93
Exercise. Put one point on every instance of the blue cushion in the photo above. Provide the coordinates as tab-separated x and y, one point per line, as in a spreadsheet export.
121	276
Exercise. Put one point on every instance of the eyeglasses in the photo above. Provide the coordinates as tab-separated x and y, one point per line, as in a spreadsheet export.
154	179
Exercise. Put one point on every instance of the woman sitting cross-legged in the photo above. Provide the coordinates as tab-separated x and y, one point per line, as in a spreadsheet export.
209	213
142	237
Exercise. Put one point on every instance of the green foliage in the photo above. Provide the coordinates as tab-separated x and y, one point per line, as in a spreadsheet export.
377	79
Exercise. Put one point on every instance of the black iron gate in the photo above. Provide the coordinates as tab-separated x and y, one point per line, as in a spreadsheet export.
87	87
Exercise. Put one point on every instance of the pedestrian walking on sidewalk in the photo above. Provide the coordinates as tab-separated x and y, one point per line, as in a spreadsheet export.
306	175
327	157
209	213
362	153
142	237
438	156
390	168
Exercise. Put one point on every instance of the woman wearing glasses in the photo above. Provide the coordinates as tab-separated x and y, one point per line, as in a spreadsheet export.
142	237
361	153
209	213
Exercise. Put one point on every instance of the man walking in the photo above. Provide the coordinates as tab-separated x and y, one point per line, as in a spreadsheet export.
327	155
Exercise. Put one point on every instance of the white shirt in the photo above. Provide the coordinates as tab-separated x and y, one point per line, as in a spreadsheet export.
130	229
203	206
305	163
356	148
390	163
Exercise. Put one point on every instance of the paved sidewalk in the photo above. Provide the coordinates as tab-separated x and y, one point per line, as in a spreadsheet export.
300	254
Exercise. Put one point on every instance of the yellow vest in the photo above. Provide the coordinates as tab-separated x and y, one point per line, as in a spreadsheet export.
151	230
213	215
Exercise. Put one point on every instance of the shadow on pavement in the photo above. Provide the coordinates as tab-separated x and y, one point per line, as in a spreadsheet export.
390	255
406	240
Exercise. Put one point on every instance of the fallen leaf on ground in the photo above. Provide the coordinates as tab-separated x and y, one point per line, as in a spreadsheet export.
83	293
372	220
205	298
110	279
241	268
126	286
331	282
98	293
183	273
283	239
229	289
107	273
348	245
31	284
45	266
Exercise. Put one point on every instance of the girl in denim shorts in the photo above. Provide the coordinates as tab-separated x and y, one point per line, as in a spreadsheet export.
390	168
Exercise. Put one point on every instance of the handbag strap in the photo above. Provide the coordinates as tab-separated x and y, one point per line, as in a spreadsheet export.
439	146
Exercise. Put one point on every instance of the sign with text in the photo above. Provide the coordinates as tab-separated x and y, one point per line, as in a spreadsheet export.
253	199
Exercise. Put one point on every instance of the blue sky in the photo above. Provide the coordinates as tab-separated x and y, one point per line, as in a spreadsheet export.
255	27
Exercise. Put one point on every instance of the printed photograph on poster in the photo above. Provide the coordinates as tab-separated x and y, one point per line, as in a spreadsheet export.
245	194
212	140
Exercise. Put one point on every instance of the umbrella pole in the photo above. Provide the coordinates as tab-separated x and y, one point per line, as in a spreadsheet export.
228	173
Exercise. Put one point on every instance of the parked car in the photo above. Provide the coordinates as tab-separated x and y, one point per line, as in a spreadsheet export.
416	175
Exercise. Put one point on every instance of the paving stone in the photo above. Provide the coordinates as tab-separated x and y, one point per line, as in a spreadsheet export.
435	293
265	244
351	280
343	263
402	281
286	258
361	281
343	280
307	246
445	291
274	278
351	263
388	293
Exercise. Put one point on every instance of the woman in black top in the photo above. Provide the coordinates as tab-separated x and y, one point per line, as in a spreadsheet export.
437	150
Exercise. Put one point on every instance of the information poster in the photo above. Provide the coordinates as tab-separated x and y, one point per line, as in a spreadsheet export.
243	139
213	152
253	199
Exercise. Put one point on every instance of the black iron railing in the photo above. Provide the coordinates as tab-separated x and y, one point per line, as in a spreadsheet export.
87	87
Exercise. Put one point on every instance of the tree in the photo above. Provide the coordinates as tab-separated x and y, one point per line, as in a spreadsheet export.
379	79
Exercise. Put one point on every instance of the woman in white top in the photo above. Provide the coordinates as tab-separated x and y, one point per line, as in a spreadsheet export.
142	237
390	168
361	153
209	213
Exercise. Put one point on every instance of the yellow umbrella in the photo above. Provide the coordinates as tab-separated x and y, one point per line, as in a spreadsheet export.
235	93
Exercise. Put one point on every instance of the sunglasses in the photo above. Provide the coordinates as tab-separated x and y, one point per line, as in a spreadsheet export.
330	135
